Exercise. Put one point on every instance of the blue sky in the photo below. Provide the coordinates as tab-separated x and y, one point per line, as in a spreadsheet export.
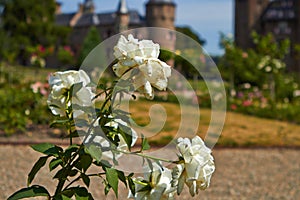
206	17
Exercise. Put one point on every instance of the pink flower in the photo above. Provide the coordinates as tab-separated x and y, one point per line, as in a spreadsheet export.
247	103
250	95
67	48
240	94
233	107
42	88
41	49
36	86
245	55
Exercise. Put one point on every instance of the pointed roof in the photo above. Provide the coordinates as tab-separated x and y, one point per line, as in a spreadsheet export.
122	7
88	3
161	1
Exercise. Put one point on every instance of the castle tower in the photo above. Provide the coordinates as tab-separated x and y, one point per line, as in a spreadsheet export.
161	13
247	13
88	6
57	7
122	17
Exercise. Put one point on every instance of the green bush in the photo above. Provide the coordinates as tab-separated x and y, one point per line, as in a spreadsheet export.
23	103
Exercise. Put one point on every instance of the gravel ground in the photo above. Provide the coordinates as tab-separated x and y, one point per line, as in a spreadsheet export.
240	174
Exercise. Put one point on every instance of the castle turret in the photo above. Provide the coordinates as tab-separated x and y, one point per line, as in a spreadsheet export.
88	6
247	14
58	7
161	13
122	17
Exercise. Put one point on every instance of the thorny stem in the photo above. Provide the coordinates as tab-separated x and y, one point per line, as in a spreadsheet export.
79	177
59	186
139	182
145	156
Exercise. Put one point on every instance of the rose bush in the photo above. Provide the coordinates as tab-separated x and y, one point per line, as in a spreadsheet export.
107	134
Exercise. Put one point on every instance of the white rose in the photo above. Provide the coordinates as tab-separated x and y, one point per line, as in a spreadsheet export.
133	48
268	68
197	165
141	55
60	83
159	180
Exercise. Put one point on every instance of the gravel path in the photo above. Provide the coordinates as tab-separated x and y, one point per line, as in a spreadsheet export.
240	174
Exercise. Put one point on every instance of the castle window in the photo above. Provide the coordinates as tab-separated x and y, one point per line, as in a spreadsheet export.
171	36
283	29
109	33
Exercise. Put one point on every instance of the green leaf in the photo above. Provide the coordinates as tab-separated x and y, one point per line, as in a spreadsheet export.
112	179
106	189
126	133
33	191
131	185
73	172
95	151
122	177
85	161
47	148
61	174
63	197
81	123
59	123
145	188
71	149
149	164
85	179
77	133
81	193
145	144
37	166
55	162
76	87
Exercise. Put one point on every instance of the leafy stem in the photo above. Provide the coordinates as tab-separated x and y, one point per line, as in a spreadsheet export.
138	153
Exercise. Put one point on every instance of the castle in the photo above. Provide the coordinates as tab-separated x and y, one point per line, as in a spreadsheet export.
280	17
159	13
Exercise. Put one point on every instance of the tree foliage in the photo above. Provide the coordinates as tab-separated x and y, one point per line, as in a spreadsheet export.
191	33
186	54
27	24
243	64
90	42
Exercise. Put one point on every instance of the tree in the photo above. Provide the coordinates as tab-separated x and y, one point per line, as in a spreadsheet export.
259	65
191	33
238	66
187	54
28	24
90	42
271	53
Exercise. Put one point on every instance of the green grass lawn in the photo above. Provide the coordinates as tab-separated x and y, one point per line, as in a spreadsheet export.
239	130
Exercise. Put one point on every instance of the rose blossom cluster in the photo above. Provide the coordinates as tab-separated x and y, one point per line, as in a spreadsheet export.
138	63
194	169
141	56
